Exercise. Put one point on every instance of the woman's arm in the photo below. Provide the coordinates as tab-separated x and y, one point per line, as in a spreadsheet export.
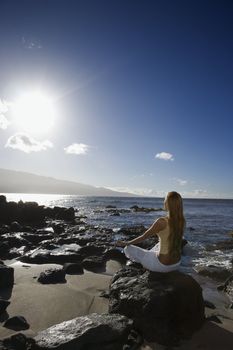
157	226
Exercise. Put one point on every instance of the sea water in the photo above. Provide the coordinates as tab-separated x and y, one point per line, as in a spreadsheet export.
207	220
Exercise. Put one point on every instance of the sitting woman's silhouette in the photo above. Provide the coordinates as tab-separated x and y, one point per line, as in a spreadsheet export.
165	256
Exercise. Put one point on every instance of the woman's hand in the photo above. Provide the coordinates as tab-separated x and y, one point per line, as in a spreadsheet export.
121	243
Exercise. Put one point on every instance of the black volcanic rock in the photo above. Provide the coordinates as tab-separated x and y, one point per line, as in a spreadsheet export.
52	276
73	268
15	226
16	323
17	341
165	307
115	254
215	272
136	208
3	305
30	212
91	332
132	230
6	276
93	263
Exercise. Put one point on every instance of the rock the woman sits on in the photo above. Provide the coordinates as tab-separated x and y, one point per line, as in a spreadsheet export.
165	256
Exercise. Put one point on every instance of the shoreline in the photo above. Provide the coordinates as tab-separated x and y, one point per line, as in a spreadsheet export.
46	305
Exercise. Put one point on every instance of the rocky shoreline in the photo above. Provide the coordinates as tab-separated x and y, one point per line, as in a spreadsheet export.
138	307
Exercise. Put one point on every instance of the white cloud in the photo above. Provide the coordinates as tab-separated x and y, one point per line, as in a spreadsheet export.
199	192
4	122
164	156
4	107
182	182
27	144
77	148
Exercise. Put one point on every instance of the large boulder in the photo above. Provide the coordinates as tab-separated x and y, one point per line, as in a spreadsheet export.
6	276
91	332
165	307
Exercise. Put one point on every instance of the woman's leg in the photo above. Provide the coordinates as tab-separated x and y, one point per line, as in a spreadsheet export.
135	253
152	263
148	259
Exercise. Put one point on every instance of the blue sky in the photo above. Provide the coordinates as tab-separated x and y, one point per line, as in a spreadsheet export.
141	93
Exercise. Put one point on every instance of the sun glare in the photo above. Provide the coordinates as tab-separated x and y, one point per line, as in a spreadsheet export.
34	112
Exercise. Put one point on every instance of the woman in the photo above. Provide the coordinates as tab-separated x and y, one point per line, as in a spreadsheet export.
166	255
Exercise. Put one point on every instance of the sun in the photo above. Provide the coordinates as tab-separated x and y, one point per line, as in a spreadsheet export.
34	112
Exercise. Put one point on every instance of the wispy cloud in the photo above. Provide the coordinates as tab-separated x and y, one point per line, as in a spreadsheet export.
181	182
142	175
164	156
77	148
4	122
4	107
200	192
31	43
27	144
141	191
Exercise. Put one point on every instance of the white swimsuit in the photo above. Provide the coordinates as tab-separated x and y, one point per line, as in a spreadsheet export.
149	258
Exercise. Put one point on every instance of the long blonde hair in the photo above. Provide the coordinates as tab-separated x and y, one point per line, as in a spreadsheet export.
176	221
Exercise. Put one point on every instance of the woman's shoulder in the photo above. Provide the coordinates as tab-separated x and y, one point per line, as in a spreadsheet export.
162	222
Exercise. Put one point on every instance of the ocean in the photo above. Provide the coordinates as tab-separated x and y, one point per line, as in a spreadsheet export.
207	221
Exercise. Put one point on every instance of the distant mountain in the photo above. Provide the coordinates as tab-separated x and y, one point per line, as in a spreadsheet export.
12	181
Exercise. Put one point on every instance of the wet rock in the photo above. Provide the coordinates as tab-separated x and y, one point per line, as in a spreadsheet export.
214	318
89	332
14	240
16	323
58	228
209	304
3	305
165	307
6	276
104	294
52	276
227	287
132	230
90	250
110	207
136	208
27	212
73	268
4	229
15	227
46	256
221	245
215	272
37	237
17	341
64	213
4	249
93	263
115	254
